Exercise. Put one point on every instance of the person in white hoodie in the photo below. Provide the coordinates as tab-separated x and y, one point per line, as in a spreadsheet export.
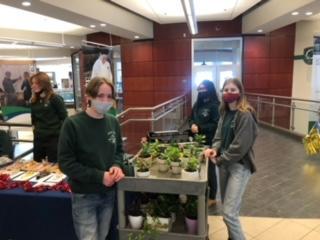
101	67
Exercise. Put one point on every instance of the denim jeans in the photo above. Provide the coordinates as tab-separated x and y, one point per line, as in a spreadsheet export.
233	181
92	214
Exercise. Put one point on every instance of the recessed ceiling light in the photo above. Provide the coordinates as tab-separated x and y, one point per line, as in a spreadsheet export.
309	13
136	37
260	31
103	24
295	13
92	26
72	47
26	3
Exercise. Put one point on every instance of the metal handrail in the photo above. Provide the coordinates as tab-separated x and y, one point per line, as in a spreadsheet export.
150	119
283	97
261	99
149	108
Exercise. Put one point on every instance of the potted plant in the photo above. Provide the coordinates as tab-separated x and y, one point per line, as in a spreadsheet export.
200	139
148	232
173	157
142	167
191	169
191	214
135	215
145	152
158	213
163	165
154	149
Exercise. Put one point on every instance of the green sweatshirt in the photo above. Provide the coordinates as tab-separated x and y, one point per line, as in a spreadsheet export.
243	130
47	117
87	148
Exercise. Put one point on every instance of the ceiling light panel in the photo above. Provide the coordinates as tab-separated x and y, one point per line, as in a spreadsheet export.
170	11
14	18
160	11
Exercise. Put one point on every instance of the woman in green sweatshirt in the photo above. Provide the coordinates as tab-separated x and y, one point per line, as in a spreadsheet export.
232	151
47	115
90	154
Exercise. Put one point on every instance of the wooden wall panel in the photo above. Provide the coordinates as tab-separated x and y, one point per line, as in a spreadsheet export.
205	30
172	68
256	47
137	52
256	65
104	38
172	50
138	84
281	65
137	69
163	96
268	68
175	83
138	98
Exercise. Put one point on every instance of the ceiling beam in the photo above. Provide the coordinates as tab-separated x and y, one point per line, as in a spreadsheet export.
275	14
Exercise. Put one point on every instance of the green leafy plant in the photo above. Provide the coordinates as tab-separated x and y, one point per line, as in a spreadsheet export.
200	139
192	164
145	151
154	149
191	207
173	154
142	165
149	231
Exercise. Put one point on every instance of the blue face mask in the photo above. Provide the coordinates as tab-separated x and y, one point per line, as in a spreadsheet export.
101	107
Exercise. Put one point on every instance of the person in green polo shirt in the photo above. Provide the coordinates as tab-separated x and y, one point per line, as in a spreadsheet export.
90	154
232	151
47	115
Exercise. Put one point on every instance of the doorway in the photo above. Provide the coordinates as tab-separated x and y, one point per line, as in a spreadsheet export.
215	59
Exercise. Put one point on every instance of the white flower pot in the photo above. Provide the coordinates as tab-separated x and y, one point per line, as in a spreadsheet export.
190	175
135	221
142	174
162	165
176	167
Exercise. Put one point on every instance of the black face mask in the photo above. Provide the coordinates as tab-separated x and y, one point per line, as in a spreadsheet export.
203	96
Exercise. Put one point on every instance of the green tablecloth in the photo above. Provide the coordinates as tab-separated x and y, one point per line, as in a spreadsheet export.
8	112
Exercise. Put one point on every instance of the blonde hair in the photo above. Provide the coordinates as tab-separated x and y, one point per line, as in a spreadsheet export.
242	104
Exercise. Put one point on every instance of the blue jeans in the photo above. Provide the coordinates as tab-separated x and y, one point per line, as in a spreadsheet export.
233	181
92	214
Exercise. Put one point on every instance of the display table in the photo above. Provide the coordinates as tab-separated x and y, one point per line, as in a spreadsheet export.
166	183
30	215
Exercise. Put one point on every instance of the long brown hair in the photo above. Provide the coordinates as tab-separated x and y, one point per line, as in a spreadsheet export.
44	81
242	104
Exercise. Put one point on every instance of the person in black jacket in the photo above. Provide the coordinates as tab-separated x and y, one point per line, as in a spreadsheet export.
204	120
47	115
27	92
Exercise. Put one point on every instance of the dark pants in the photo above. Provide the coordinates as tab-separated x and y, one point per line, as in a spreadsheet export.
212	180
45	147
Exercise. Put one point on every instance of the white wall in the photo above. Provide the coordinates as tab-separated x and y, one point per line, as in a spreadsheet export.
302	73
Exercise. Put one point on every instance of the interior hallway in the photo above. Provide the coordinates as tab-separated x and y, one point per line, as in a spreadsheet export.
283	196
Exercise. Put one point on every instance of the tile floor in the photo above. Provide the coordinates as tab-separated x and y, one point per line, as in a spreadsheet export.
263	228
282	198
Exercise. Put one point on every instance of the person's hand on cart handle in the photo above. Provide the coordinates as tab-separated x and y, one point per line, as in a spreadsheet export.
108	179
116	173
210	154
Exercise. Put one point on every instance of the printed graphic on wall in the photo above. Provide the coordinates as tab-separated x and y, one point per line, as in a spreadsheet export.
15	90
98	63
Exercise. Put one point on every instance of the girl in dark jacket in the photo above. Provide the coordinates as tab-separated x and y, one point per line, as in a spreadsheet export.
204	120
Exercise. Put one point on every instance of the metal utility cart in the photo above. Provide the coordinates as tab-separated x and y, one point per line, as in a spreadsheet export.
166	183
